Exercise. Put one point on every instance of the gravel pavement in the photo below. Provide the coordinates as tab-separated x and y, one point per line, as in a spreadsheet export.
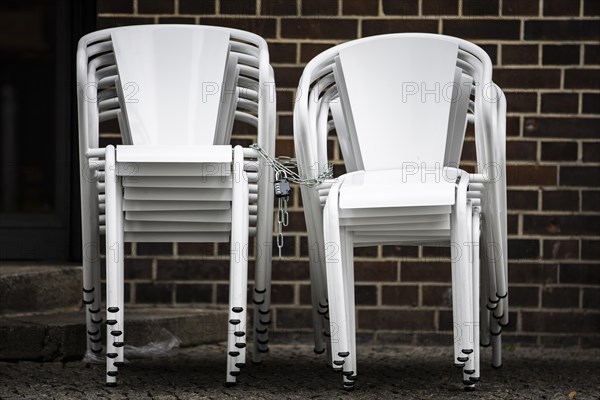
295	372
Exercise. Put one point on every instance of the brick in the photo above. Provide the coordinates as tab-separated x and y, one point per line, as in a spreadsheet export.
285	102
561	224
365	295
591	54
591	103
561	249
522	199
590	201
591	8
555	322
590	249
582	79
520	7
558	127
282	294
519	78
114	6
442	252
136	268
264	27
177	20
310	50
285	125
156	7
278	7
561	8
580	176
561	30
585	274
560	200
193	270
521	150
319	7
400	7
417	271
402	252
440	7
361	7
284	270
438	296
153	249
194	293
532	273
476	7
111	22
154	293
293	318
238	7
196	6
521	102
523	249
524	296
405	295
519	54
560	54
557	297
370	251
519	175
482	29
395	319
282	53
591	299
318	28
372	271
559	151
591	152
560	103
287	77
381	27
200	249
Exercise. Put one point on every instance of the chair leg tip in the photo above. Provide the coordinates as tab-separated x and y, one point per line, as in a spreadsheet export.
111	384
470	388
497	366
230	384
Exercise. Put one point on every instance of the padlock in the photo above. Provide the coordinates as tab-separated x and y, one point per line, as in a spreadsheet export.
282	187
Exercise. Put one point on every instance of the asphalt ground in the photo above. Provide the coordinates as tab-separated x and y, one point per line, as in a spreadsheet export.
295	372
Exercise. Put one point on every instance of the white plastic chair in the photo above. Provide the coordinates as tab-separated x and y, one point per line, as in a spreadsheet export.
175	91
385	134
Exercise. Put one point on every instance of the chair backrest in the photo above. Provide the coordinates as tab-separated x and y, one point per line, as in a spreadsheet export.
398	104
401	98
172	82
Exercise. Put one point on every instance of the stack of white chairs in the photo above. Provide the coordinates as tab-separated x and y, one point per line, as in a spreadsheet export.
400	105
175	92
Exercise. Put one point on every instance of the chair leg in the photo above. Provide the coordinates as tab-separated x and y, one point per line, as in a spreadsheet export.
120	254
335	286
476	296
496	331
350	366
112	261
459	359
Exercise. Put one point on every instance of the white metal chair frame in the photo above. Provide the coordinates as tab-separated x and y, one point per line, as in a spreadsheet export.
311	123
99	100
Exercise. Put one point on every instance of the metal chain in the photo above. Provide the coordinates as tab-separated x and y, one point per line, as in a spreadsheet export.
292	176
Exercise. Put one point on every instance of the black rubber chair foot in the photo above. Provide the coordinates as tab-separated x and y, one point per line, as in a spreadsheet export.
486	345
497	367
348	373
474	378
234	353
352	378
467	351
119	364
340	369
257	362
240	365
459	365
344	354
469	371
469	388
240	345
339	362
462	359
112	373
112	355
234	373
230	384
263	350
237	309
319	351
111	384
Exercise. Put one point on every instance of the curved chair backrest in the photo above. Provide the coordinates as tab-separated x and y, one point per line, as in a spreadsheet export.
170	84
404	98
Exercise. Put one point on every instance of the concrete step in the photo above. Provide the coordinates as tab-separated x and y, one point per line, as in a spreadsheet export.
39	288
62	336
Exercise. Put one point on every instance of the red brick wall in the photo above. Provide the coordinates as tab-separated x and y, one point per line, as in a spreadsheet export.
546	55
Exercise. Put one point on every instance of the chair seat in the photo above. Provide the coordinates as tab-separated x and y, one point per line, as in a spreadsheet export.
396	188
